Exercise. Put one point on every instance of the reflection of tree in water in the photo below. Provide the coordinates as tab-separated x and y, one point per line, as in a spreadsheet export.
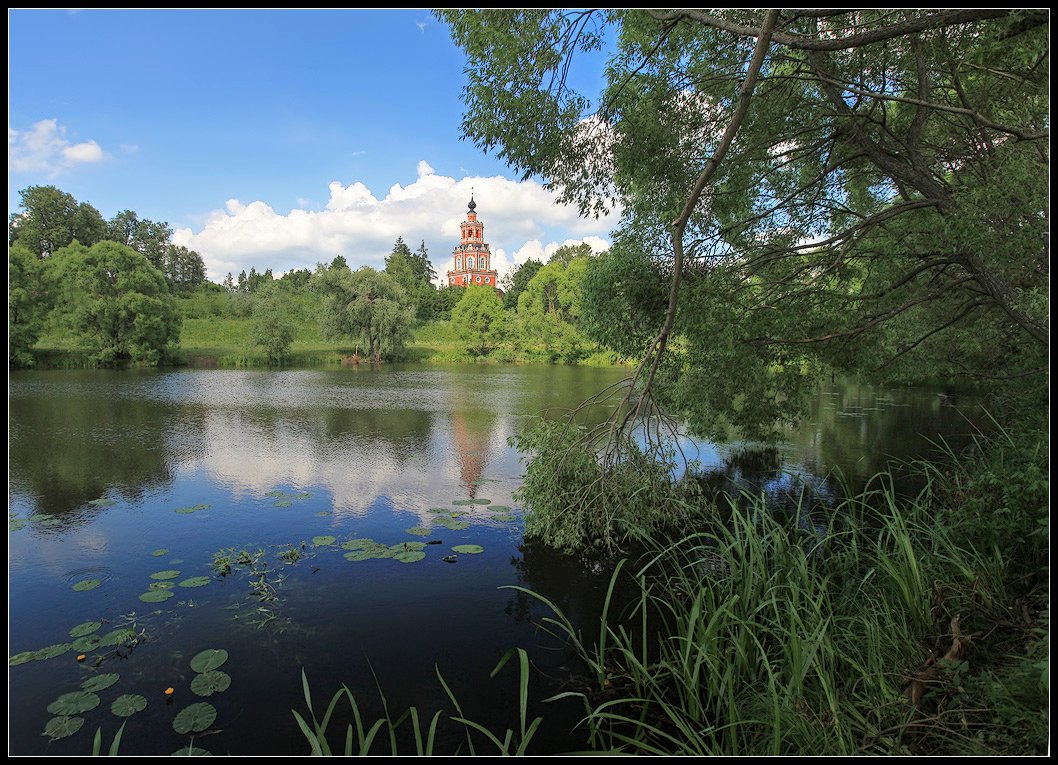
402	432
68	450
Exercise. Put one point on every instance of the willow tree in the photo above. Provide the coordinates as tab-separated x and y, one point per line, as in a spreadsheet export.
859	190
365	306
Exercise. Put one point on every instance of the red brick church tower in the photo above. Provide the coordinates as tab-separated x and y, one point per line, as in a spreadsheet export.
471	259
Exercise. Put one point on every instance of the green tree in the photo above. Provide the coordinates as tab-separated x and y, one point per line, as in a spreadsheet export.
271	326
27	303
515	282
184	269
51	219
116	302
147	237
365	306
865	190
480	320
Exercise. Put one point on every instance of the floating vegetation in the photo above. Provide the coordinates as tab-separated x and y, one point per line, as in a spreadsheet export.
167	574
283	503
85	628
410	556
128	704
61	727
160	552
480	501
462	502
211	658
434	542
86	643
189	510
196	581
122	636
324	540
102	502
418	531
160	586
500	509
301	495
322	513
191	751
210	682
51	651
453	523
14	524
86	584
401	546
22	658
274	494
440	510
358	544
375	551
72	703
470	549
100	682
195	718
291	555
156	596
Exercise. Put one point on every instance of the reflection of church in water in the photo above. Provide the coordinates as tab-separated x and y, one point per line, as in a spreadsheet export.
471	437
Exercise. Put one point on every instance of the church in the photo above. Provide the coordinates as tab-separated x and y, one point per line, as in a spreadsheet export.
471	258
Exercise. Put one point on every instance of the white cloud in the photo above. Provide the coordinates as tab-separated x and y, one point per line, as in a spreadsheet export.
520	218
44	149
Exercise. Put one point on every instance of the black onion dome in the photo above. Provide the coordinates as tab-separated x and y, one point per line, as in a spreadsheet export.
472	206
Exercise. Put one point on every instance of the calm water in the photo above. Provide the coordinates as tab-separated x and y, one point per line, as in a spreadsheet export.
101	462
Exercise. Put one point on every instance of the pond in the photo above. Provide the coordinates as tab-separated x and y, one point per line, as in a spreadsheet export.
356	525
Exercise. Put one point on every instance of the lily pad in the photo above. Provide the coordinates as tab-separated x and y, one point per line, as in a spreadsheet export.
410	556
500	509
462	502
72	703
39	517
480	501
61	727
22	658
15	524
160	552
375	551
98	683
405	546
171	573
210	682
453	523
301	495
284	503
87	584
51	651
440	510
326	539
196	581
85	628
322	513
274	494
102	502
128	704
121	636
189	510
418	531
211	658
470	549
191	751
195	718
86	643
358	544
160	586
156	596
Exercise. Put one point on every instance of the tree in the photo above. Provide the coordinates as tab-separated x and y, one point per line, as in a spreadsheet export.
550	306
52	219
365	306
27	304
415	274
479	319
184	269
148	238
515	283
116	302
271	326
864	190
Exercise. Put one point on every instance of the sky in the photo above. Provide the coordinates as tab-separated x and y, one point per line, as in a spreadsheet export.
268	138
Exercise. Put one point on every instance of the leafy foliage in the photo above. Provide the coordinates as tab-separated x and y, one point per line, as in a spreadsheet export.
365	306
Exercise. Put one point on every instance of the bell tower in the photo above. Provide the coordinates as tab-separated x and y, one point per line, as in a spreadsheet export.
471	259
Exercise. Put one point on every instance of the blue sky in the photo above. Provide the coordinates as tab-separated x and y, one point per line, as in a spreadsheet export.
276	139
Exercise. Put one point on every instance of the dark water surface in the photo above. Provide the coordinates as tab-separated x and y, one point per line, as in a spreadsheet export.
101	461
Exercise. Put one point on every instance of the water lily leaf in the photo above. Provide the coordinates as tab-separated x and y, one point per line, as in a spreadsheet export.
191	751
410	556
102	502
480	501
87	584
120	636
39	517
403	546
274	494
98	683
471	549
462	502
358	555
210	682
15	524
439	509
51	522
418	531
160	552
211	658
156	596
196	581
195	718
72	703
167	574
85	628
22	658
160	586
51	651
86	643
61	727
322	513
282	504
326	539
128	704
358	544
301	495
500	509
453	523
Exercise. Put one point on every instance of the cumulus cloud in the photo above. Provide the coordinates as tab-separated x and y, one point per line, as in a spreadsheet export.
44	149
521	218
